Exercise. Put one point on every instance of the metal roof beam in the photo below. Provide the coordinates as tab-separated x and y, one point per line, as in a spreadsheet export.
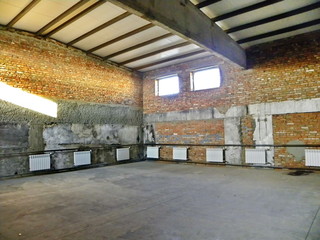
129	34
207	3
154	53
23	12
76	17
138	46
280	31
184	19
245	10
102	26
274	18
170	59
62	16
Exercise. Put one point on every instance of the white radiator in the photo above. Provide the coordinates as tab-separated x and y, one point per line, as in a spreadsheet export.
39	162
123	154
214	155
312	157
82	158
256	156
180	153
153	152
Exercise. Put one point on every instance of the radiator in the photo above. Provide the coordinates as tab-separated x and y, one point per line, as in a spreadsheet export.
123	154
39	162
256	156
214	155
153	152
82	158
312	157
180	153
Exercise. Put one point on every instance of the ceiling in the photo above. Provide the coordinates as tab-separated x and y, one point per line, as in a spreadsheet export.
101	28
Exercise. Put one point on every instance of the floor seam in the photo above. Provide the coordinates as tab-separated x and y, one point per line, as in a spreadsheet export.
314	218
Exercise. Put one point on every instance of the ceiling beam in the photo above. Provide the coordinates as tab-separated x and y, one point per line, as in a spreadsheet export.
23	12
129	34
245	10
182	18
170	59
155	52
274	18
280	31
138	46
207	3
75	18
62	16
97	29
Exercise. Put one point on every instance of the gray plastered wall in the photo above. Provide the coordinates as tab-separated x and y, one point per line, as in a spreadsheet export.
78	125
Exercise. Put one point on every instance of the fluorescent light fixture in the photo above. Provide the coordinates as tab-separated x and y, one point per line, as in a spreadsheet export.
27	100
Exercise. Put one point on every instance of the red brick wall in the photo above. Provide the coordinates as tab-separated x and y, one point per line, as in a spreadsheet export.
285	70
303	127
189	132
50	69
247	129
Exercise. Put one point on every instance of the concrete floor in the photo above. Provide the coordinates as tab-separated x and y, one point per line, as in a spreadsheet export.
152	200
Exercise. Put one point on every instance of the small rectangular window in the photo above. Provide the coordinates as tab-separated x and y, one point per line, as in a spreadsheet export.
167	85
205	78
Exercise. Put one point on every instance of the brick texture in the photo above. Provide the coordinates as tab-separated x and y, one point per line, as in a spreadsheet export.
189	132
247	129
285	70
50	69
302	127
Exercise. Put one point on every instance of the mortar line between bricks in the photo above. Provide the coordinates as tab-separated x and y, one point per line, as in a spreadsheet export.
314	218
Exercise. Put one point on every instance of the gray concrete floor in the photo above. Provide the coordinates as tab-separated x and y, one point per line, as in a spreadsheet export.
152	200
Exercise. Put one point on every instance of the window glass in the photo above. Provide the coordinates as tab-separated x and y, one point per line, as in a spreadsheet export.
205	78
167	85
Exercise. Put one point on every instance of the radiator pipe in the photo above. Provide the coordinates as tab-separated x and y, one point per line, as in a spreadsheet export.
52	151
236	145
234	165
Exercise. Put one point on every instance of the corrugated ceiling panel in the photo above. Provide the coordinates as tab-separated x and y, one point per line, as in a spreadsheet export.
93	19
71	15
280	36
283	23
198	56
131	41
163	55
195	2
227	6
43	13
170	41
124	26
9	9
275	9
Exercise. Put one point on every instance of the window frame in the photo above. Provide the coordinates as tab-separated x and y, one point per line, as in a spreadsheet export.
192	79
166	77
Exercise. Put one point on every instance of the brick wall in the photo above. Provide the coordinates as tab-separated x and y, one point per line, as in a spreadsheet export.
281	71
247	129
299	128
285	70
189	132
102	101
50	69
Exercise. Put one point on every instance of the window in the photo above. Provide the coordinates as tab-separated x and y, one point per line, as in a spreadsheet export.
167	85
205	78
